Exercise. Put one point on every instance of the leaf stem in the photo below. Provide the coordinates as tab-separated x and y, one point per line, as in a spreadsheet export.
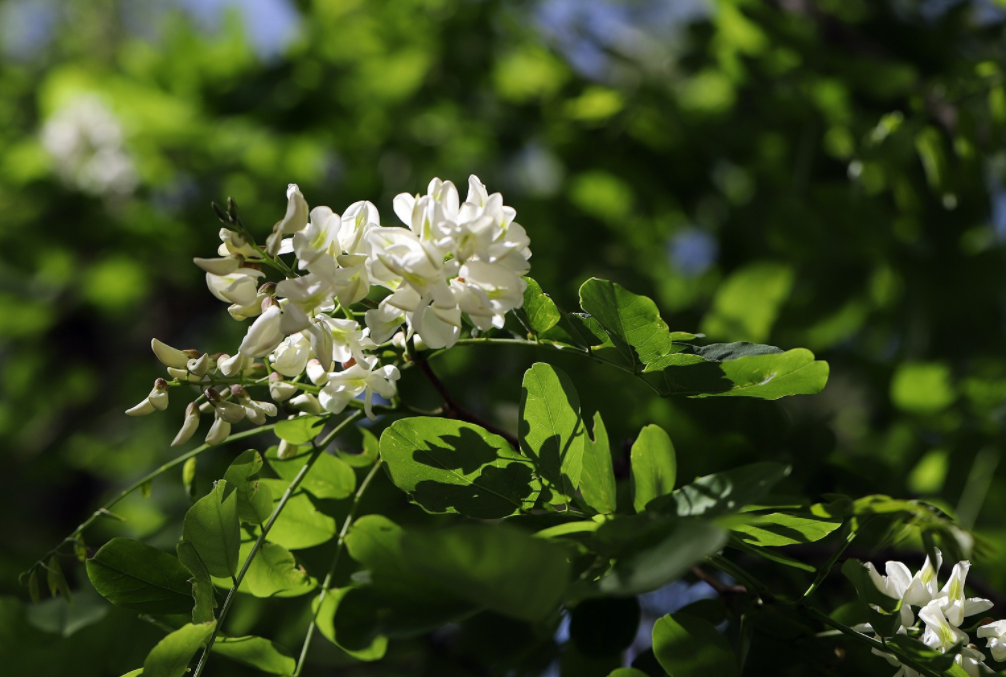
335	563
319	449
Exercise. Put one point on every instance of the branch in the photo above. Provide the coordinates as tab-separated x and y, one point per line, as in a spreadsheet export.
452	409
319	449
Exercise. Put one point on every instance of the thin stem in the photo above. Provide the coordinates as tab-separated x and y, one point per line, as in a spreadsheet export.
319	449
725	565
825	569
105	510
868	641
326	584
453	409
589	354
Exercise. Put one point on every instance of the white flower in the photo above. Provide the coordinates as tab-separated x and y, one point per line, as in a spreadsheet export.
238	287
305	295
316	240
894	584
292	355
265	333
233	243
503	288
349	340
280	390
157	400
189	425
344	386
995	633
295	219
317	373
972	662
384	320
233	365
306	403
951	597
438	325
228	411
923	588
358	219
940	634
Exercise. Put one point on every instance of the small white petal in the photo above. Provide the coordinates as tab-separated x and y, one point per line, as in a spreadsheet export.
142	409
169	357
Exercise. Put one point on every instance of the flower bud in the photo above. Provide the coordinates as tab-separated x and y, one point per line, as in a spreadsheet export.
192	353
169	357
198	367
189	425
221	266
316	372
286	450
307	403
158	397
232	365
218	431
178	374
280	390
205	408
141	409
239	393
229	411
267	289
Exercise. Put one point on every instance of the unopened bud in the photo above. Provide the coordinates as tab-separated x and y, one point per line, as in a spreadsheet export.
178	374
141	409
268	302
158	397
232	365
239	393
219	431
169	357
267	289
316	372
189	425
212	395
192	353
221	266
280	390
199	367
286	450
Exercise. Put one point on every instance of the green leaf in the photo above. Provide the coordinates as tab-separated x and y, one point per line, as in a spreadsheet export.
728	491
654	466
300	430
330	476
134	575
777	529
274	572
56	579
256	652
551	429
921	653
324	615
495	567
134	673
597	479
722	352
652	551
254	500
212	526
633	322
691	647
172	655
202	584
542	313
766	376
923	388
747	303
371	448
34	589
301	524
449	466
627	672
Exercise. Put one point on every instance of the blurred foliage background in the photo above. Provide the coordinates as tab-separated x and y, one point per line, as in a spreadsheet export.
820	173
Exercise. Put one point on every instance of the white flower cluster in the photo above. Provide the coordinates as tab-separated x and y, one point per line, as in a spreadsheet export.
454	259
942	610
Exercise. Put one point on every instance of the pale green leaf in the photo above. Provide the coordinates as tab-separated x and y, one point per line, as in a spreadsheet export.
202	584
257	652
274	572
597	479
728	491
299	430
171	656
551	429
324	615
777	529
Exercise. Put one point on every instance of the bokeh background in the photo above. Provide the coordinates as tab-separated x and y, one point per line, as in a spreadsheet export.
820	173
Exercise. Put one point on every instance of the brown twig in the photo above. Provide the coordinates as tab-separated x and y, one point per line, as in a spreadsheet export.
721	588
452	409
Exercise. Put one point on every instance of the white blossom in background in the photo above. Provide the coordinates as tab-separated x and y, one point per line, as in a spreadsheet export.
86	143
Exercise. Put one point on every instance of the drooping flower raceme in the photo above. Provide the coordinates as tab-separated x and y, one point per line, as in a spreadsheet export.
315	339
